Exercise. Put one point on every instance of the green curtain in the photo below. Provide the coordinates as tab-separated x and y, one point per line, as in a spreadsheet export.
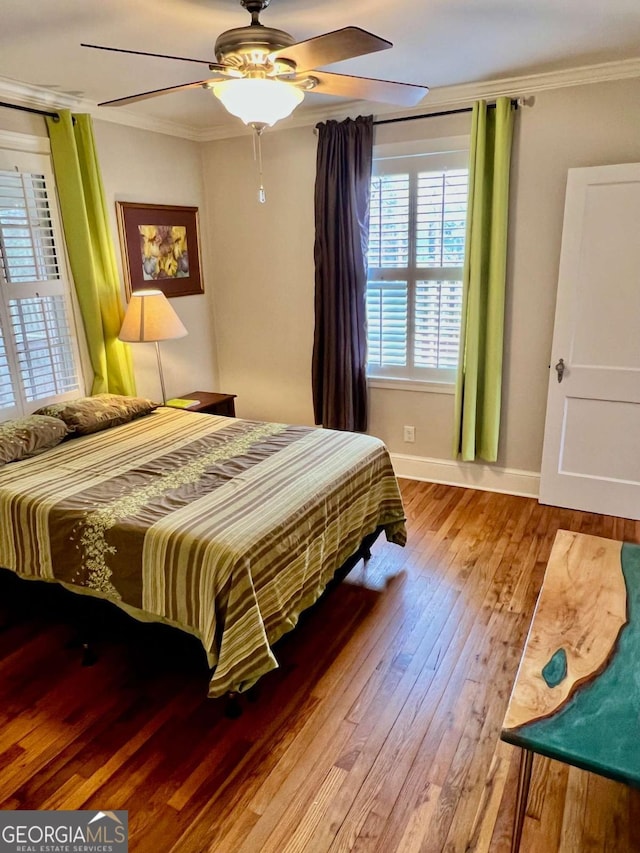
90	250
479	383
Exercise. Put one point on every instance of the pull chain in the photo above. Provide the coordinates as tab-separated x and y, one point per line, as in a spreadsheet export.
257	155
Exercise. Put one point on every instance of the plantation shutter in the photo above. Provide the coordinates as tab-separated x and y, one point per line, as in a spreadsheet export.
26	231
389	222
44	346
441	218
437	323
38	354
416	255
387	301
387	311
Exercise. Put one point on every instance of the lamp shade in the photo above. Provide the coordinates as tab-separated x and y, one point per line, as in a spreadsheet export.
150	317
257	100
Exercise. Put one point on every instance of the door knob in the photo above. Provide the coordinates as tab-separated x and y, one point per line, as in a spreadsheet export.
560	368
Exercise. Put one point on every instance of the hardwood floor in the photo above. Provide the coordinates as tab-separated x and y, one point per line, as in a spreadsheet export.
378	733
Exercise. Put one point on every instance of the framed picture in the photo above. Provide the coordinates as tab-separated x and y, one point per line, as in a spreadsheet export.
160	248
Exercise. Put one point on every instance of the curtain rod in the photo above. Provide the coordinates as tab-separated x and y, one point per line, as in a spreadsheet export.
54	116
515	103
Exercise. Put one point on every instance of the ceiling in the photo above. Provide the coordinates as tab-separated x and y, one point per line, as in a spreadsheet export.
436	42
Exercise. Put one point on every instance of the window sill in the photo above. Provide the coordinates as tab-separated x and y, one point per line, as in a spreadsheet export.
425	387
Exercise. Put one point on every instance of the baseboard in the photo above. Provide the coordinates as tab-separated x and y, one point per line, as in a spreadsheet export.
472	475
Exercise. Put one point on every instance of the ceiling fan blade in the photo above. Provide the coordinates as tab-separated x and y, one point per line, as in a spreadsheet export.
212	65
331	47
142	96
365	88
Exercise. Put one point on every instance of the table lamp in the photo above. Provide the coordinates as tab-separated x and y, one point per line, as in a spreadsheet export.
150	319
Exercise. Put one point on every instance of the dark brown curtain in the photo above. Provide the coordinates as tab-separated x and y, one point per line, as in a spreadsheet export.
343	181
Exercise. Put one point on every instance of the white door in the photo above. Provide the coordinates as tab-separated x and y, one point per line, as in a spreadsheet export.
591	454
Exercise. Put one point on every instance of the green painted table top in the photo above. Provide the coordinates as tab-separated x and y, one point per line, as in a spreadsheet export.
576	697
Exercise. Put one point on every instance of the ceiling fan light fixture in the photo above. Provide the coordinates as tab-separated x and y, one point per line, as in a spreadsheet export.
258	100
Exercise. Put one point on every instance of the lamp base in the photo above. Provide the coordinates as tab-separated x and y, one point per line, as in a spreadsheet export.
164	393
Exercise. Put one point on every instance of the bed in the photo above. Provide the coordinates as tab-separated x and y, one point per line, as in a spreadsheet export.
225	528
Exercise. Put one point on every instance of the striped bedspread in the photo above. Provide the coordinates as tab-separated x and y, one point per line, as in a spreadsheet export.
225	528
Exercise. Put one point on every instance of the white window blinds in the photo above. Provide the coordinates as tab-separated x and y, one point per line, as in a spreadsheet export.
28	249
437	323
416	255
44	346
38	353
389	222
441	218
387	323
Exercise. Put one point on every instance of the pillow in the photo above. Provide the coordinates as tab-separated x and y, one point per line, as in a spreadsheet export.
29	436
92	414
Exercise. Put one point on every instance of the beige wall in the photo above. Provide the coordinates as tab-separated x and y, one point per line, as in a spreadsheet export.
263	272
263	262
16	121
151	167
141	166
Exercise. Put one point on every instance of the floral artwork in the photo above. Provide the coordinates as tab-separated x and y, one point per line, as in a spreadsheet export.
160	248
164	251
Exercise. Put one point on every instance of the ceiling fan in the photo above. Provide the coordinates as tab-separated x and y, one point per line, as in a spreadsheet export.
261	74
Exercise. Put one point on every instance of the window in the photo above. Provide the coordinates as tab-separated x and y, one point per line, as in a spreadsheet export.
38	354
416	255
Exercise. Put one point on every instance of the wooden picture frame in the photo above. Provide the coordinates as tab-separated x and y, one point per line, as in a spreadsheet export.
160	248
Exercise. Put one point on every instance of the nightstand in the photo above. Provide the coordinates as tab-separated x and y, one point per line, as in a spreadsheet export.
211	404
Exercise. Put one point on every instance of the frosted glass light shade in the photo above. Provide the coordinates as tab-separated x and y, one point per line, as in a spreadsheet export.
150	317
257	100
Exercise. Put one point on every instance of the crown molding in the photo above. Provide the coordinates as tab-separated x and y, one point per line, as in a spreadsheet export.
26	94
533	83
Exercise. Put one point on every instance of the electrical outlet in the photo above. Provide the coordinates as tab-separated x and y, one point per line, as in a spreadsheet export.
410	433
